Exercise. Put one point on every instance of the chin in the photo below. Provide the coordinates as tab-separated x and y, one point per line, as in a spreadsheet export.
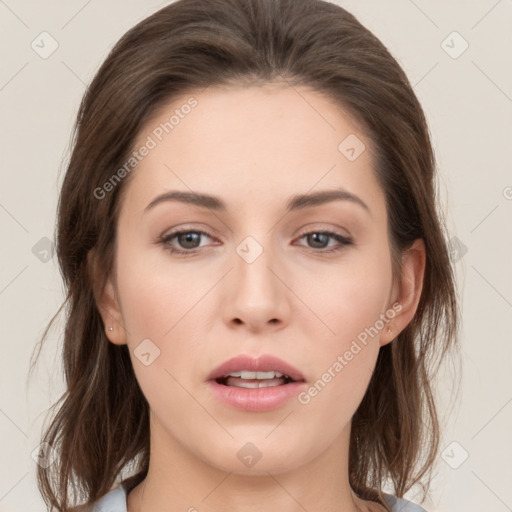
258	456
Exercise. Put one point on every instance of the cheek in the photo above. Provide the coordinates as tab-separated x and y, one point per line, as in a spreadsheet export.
350	300
155	295
346	352
348	297
158	305
166	304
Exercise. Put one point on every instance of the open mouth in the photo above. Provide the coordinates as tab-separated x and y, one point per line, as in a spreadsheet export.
256	389
253	380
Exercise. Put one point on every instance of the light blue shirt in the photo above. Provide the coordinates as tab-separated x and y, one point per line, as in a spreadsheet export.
115	501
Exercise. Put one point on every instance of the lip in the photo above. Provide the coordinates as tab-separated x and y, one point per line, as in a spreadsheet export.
255	400
263	363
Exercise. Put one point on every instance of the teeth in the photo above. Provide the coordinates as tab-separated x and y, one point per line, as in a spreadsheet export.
256	375
253	385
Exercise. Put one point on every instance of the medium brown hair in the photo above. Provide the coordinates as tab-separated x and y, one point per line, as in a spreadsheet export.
102	425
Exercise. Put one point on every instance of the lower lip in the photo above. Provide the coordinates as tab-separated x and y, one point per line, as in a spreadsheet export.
255	399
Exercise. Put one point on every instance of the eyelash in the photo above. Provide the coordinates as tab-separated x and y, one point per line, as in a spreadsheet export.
342	240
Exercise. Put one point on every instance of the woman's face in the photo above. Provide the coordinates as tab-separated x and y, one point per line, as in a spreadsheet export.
258	278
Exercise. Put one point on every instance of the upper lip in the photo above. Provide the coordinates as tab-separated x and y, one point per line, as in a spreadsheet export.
263	363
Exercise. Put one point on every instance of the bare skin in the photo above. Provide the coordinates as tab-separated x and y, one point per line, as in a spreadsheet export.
254	148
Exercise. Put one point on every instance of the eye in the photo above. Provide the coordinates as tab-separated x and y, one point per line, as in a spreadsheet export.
320	239
187	238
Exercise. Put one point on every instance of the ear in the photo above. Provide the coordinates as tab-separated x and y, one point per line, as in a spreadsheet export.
108	305
407	292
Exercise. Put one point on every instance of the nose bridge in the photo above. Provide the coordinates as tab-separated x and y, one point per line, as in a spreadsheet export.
257	297
252	265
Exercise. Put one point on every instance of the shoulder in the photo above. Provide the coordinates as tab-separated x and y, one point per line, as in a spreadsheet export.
114	501
402	505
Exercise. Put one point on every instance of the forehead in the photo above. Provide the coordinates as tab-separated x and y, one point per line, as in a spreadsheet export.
272	140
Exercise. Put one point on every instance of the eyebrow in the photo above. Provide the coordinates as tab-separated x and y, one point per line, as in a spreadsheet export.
296	202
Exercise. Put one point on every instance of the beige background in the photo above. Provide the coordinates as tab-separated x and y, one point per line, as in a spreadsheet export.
468	102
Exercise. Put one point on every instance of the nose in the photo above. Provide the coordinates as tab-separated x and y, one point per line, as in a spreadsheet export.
258	292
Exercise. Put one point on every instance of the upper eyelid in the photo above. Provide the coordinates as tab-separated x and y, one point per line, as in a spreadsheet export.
308	230
172	234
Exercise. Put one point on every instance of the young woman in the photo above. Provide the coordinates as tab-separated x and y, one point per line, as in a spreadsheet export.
259	287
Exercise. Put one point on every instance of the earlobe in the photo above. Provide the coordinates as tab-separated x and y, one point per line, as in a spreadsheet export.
106	302
110	312
387	337
409	290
